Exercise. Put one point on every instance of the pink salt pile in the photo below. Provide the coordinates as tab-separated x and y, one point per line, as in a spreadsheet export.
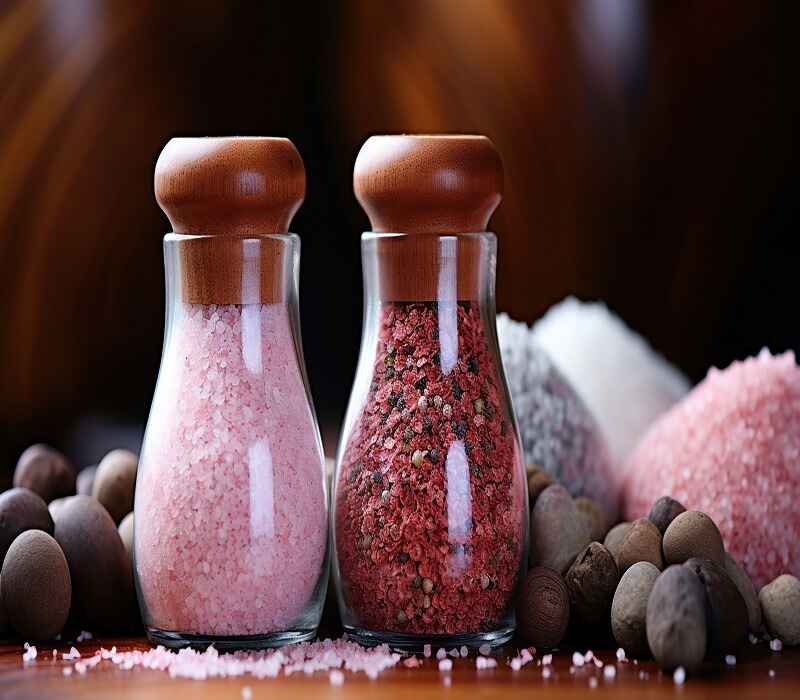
231	525
307	658
731	449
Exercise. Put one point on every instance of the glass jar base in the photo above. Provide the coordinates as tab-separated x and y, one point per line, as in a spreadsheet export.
416	642
177	640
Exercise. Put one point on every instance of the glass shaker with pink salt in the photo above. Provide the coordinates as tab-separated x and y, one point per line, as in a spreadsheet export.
230	519
430	519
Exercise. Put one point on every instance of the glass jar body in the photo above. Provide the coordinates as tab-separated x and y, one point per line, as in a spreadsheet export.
230	520
430	516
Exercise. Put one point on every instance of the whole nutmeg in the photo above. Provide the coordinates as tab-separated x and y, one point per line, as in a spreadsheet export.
21	509
726	612
629	608
780	603
538	481
664	511
35	586
543	610
558	533
676	619
591	582
693	534
99	566
85	481
641	543
5	625
45	471
125	530
115	481
745	585
595	517
614	538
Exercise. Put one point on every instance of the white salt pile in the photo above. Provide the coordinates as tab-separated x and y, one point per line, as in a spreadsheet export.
329	656
558	432
624	382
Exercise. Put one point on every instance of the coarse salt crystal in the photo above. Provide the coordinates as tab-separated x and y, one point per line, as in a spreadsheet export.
445	665
441	654
485	649
67	671
621	654
336	677
753	639
679	677
515	664
426	651
771	673
577	659
453	653
730	659
547	659
526	656
610	672
776	644
464	652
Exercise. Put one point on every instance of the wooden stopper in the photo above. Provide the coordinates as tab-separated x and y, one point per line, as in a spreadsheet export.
423	185
221	194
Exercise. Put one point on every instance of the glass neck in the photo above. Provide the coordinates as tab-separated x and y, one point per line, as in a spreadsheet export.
400	267
231	269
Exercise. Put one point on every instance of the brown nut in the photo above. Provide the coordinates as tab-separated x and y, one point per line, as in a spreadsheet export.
676	619
543	610
693	534
45	471
85	481
595	517
591	582
629	608
36	587
558	533
726	612
21	509
614	538
748	591
664	511
780	603
642	543
538	481
125	530
115	481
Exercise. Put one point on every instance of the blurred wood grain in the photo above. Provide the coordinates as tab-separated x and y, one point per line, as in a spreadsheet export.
647	146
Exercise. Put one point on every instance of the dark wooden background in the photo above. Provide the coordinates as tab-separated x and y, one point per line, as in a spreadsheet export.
649	151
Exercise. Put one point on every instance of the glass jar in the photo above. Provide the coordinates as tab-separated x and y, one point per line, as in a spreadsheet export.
430	519
231	512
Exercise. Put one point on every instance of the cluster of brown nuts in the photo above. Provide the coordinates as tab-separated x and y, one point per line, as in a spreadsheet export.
663	585
65	562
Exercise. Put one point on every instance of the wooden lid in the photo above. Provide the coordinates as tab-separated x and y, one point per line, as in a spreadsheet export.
428	183
225	193
445	185
231	185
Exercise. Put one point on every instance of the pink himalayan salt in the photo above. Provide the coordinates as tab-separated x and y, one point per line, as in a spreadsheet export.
231	523
323	656
731	449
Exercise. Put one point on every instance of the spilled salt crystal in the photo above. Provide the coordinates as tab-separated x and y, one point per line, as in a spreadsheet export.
610	672
547	659
679	677
441	654
577	659
336	677
771	673
730	659
453	653
426	651
464	652
621	654
67	671
445	665
485	649
776	644
516	664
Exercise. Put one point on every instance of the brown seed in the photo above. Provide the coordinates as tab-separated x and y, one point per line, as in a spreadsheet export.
780	602
114	482
543	610
427	586
85	481
594	516
629	608
538	481
102	583
36	588
693	534
45	471
591	582
642	543
558	533
676	619
614	538
726	612
748	591
21	509
402	618
125	530
664	511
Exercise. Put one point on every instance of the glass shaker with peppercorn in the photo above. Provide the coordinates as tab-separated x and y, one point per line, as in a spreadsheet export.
430	518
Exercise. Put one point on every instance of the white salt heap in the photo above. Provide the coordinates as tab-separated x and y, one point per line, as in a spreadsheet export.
624	382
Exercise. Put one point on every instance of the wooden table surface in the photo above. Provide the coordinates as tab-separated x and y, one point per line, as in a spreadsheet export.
749	678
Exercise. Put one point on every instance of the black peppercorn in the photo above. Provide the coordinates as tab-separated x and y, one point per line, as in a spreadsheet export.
427	424
472	365
421	383
401	404
377	477
458	392
433	455
389	374
403	557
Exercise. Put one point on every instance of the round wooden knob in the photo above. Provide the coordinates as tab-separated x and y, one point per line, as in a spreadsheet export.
428	184
231	185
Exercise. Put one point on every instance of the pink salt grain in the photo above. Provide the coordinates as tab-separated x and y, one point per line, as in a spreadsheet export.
230	506
731	449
